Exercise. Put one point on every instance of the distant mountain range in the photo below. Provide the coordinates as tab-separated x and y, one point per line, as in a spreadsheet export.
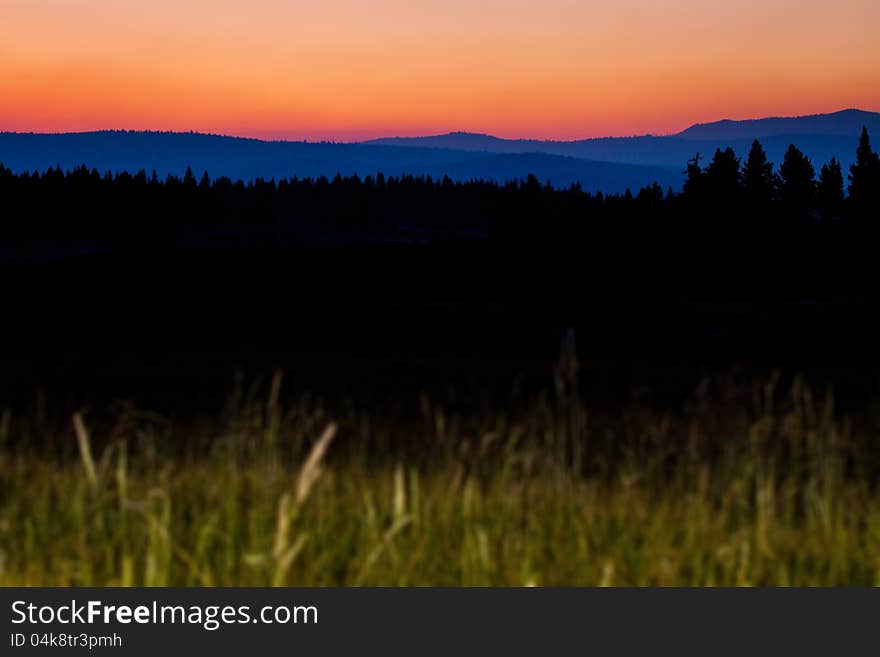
820	136
842	124
606	164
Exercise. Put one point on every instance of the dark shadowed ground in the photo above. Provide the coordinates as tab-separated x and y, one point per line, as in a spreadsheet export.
391	322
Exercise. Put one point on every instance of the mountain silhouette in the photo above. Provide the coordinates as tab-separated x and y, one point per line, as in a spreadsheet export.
821	136
248	159
610	164
845	123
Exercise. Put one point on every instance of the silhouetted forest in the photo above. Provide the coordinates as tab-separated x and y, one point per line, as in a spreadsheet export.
194	275
723	197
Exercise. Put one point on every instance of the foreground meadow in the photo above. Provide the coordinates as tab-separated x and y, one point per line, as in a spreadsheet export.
750	486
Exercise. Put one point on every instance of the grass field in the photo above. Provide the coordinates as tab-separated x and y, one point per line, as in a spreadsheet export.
745	485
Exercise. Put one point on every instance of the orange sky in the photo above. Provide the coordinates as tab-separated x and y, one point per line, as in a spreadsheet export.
349	69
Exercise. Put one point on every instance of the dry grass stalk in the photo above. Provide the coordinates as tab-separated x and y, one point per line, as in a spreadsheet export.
311	468
85	450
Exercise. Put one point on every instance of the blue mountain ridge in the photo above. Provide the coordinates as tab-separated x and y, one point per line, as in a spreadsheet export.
610	164
820	136
246	159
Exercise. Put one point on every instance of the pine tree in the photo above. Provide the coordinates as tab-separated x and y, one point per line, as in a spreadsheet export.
695	182
189	179
723	180
759	181
830	190
6	182
798	182
864	178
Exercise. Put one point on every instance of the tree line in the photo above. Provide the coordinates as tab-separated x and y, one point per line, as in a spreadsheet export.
726	197
795	187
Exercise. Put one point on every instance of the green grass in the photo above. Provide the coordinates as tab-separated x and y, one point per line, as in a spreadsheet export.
744	486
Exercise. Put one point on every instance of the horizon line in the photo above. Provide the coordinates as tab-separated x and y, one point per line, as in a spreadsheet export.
447	133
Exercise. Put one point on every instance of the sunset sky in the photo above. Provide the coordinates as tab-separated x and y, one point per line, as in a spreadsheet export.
351	69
